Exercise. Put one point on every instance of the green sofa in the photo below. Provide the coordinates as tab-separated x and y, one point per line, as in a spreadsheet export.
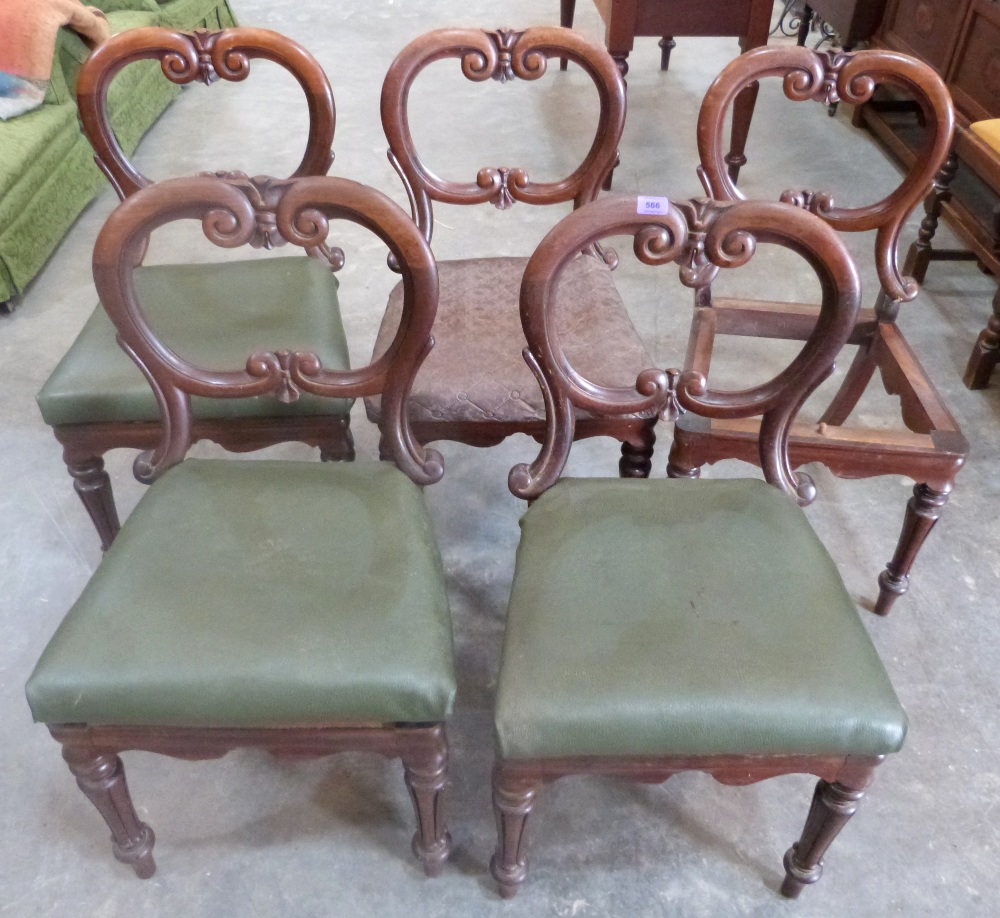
47	170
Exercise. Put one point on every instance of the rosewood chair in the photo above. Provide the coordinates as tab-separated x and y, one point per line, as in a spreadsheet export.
931	449
96	400
297	607
474	387
661	626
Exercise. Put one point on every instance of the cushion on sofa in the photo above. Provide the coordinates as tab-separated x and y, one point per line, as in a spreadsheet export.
191	14
34	143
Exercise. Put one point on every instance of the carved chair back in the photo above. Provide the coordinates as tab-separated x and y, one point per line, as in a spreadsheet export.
501	55
205	56
236	211
830	76
703	237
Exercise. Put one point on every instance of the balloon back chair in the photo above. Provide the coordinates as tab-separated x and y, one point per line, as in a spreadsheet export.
931	449
474	388
297	607
660	626
96	400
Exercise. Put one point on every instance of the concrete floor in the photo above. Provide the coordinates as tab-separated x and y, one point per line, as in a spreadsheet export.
248	835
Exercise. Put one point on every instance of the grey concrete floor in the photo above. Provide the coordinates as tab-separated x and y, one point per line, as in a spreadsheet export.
249	835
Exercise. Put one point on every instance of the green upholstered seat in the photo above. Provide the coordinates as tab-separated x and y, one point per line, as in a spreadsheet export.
255	594
214	315
684	618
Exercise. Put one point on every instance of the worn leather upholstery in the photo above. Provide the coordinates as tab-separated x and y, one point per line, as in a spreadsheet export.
684	617
214	315
255	594
469	377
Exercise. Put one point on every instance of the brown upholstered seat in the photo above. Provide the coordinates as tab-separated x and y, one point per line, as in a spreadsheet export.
472	376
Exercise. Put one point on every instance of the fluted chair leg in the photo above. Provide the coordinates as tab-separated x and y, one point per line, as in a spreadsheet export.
102	778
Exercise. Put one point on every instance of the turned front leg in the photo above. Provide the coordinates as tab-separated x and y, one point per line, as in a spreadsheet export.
425	770
832	806
922	512
513	800
93	485
102	778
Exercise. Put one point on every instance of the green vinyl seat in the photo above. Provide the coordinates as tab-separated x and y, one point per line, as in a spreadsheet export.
216	314
210	610
684	618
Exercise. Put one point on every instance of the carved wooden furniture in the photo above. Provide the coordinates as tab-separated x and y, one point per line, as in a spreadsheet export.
747	20
294	606
932	450
474	387
96	400
981	146
852	20
630	651
960	39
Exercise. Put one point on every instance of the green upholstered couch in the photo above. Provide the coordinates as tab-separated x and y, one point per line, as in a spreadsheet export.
47	171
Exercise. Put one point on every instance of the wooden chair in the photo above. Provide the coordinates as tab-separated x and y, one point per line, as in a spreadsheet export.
474	387
666	625
978	149
96	400
932	450
293	606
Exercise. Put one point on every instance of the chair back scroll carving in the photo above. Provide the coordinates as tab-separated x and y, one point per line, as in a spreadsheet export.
232	211
205	56
703	237
501	55
830	76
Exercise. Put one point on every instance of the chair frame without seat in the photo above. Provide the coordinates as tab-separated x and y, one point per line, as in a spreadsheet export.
504	55
233	212
932	450
701	236
186	57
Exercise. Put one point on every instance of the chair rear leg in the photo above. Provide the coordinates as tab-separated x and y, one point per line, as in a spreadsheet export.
102	778
856	381
425	770
983	359
340	446
637	453
566	10
920	253
832	806
684	460
93	485
513	801
922	512
667	44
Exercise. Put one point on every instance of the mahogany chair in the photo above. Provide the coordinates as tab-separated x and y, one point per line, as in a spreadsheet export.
931	449
474	387
661	626
96	400
298	607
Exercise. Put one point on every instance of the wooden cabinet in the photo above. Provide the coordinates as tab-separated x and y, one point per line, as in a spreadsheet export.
958	38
